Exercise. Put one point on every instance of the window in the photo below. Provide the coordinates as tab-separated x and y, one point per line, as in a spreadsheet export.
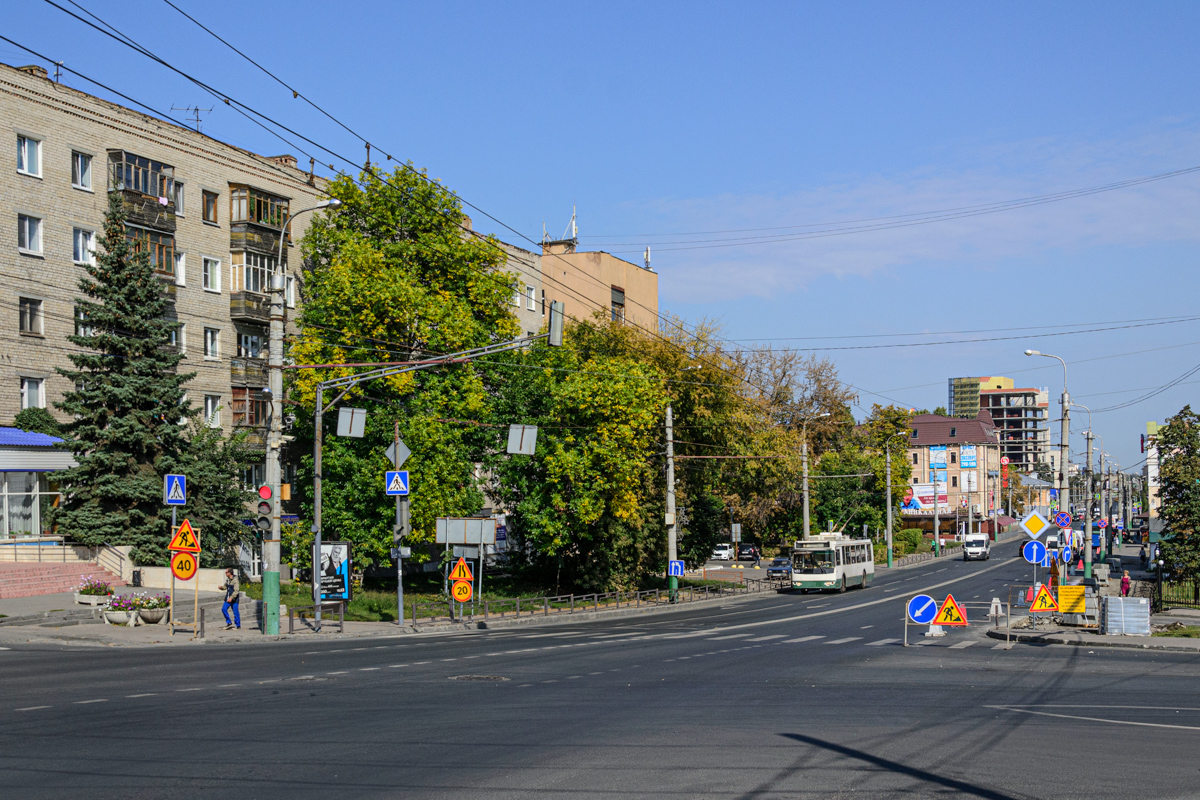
210	274
953	432
251	205
252	272
83	246
914	458
212	343
29	156
914	433
618	304
954	458
133	173
29	234
160	246
81	170
210	206
531	298
289	293
212	410
32	395
254	476
954	481
25	500
543	302
180	268
249	407
517	298
250	345
31	315
177	337
178	198
82	328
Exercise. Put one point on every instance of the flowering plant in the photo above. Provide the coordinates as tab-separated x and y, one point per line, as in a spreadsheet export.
90	585
153	601
122	602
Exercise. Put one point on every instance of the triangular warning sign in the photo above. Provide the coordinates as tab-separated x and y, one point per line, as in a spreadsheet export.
175	492
185	539
461	571
951	613
1044	601
397	485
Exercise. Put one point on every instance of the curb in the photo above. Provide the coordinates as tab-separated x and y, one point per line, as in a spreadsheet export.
1059	637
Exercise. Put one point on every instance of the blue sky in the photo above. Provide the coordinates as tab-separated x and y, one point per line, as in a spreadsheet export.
664	118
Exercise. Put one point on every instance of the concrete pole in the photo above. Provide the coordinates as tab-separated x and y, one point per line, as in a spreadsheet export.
274	476
1087	534
318	435
888	451
672	529
804	462
1064	493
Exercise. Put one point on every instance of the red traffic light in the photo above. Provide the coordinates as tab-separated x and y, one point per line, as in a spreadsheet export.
264	492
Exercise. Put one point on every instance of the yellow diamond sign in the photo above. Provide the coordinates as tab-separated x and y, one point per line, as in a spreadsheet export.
1035	524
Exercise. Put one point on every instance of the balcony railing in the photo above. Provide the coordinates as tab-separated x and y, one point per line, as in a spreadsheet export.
250	307
248	371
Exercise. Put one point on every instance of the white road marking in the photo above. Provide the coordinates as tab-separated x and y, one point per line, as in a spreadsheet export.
339	672
961	645
891	588
732	636
882	641
1001	646
396	666
146	694
843	641
1097	719
864	627
801	639
367	669
766	638
193	689
32	708
85	702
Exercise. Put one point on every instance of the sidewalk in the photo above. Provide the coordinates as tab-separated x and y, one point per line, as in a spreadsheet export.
1083	638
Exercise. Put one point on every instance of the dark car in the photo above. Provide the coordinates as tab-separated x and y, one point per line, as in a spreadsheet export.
748	552
780	568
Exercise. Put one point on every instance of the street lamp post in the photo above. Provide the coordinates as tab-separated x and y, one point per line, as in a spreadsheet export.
1089	483
804	462
1064	483
270	546
887	450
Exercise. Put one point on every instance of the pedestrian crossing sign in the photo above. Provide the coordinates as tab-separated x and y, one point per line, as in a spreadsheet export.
951	613
1044	601
185	539
174	490
461	571
396	482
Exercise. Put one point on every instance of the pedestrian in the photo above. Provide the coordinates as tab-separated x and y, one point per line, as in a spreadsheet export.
232	591
1142	556
1125	584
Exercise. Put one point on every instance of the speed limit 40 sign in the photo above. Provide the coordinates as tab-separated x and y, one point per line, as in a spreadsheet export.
184	566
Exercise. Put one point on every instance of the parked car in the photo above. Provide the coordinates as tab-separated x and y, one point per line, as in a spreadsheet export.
722	552
748	552
780	568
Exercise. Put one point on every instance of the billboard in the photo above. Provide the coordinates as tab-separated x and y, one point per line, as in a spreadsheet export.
966	456
919	500
335	569
937	456
937	475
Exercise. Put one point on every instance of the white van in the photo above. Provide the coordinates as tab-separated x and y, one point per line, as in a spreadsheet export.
977	546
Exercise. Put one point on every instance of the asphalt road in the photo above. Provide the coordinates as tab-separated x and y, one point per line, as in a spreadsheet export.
790	696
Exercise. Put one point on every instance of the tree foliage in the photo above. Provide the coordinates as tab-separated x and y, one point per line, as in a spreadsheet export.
1179	490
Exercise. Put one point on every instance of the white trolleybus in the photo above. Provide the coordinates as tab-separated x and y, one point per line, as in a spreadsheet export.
831	562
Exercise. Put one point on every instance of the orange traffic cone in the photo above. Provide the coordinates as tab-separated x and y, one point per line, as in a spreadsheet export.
1029	595
1080	567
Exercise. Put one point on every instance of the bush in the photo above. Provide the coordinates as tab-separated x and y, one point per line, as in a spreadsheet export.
913	537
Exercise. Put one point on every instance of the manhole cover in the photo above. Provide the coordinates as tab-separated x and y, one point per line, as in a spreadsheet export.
477	678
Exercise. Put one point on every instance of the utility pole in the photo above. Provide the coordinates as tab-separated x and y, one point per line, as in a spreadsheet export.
937	538
672	530
1087	535
888	451
401	531
804	463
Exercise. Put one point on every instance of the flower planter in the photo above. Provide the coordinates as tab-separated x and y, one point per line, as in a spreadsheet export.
118	617
91	599
152	616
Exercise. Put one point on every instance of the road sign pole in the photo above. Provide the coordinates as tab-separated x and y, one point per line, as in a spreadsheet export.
403	531
672	541
171	613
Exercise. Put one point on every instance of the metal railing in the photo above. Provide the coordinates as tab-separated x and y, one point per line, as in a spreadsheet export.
9	548
430	612
111	559
1184	594
297	611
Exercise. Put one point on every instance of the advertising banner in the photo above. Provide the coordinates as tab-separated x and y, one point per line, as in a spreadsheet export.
966	456
937	457
971	481
335	570
938	475
919	500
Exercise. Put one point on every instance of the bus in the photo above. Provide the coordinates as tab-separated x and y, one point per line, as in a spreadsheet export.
832	562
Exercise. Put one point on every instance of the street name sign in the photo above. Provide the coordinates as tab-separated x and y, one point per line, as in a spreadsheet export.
183	565
1034	552
1044	601
922	609
461	591
1062	519
174	490
1034	524
185	539
951	614
461	571
395	482
675	569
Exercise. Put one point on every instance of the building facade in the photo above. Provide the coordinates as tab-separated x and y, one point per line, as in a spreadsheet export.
961	457
208	213
594	281
1020	414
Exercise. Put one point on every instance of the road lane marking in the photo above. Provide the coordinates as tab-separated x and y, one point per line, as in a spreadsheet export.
339	672
1097	719
367	669
732	636
961	645
32	708
85	702
864	627
843	641
193	689
801	639
396	666
767	638
145	694
881	642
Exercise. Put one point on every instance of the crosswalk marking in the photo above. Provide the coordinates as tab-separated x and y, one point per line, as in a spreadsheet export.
801	639
882	641
767	638
961	645
1001	646
843	641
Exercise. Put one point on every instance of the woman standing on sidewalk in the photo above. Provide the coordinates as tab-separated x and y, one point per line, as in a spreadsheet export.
1125	584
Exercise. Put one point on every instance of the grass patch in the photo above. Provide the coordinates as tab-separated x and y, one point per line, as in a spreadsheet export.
1181	632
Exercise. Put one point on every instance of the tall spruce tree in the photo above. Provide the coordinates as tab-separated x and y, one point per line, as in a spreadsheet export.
127	404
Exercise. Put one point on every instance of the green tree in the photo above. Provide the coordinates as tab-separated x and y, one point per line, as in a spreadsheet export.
38	420
127	404
1179	490
217	500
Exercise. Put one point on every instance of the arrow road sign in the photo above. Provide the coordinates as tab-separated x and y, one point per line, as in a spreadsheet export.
396	482
922	609
1034	552
675	569
174	490
1066	554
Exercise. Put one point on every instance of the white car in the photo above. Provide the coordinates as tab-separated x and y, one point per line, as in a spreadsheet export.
977	547
722	552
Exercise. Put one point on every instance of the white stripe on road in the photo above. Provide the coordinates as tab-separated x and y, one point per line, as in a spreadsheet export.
882	641
843	641
801	639
961	645
733	636
766	638
85	702
32	708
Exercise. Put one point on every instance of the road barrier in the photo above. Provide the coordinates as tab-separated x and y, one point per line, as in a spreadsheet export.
295	612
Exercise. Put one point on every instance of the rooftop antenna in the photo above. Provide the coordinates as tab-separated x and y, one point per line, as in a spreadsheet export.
646	256
545	233
58	71
195	111
572	231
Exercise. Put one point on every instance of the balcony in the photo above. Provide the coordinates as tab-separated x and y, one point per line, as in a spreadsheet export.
248	372
250	307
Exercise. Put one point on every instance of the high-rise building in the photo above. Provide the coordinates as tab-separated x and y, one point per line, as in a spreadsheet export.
1021	415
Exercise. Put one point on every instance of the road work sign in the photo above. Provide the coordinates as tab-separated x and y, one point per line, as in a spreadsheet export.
461	591
183	566
185	539
922	609
1071	600
1034	524
1044	601
951	613
461	571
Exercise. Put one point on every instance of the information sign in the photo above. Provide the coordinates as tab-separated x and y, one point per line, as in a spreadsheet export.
185	539
922	609
183	565
1071	600
335	570
951	614
174	490
461	591
675	569
395	482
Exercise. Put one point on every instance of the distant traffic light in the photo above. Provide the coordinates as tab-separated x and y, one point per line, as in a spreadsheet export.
264	509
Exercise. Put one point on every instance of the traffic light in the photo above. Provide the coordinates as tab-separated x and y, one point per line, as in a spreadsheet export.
264	509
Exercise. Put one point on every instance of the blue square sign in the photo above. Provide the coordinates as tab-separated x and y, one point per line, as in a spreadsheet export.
675	569
395	482
175	490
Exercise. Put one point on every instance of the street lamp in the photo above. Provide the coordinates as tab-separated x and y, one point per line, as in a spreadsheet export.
270	547
1089	490
887	449
804	462
1064	491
